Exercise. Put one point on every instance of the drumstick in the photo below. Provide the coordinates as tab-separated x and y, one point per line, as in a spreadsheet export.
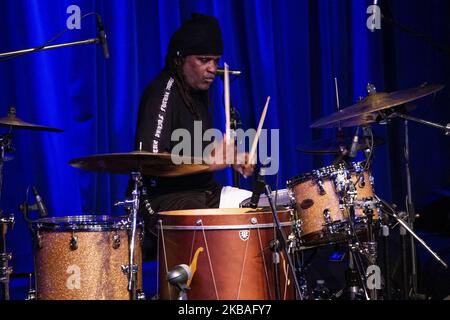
258	132
227	103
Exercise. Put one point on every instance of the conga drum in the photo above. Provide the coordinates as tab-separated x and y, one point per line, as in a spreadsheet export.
228	252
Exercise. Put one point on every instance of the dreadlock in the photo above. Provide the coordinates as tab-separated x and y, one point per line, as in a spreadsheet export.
175	68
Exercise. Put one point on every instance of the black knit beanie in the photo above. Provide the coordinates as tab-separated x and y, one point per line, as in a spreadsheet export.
199	35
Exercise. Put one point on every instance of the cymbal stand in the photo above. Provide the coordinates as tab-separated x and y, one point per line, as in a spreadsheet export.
410	205
392	213
355	272
5	270
282	237
5	146
132	269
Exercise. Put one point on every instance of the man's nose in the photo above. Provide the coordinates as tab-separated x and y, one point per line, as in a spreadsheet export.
212	67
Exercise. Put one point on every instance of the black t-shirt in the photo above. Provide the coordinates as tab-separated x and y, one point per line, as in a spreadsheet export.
161	111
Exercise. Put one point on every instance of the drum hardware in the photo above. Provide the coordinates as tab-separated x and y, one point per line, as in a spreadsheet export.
133	204
319	181
275	248
410	205
5	257
37	240
394	214
31	294
11	122
116	241
386	261
281	236
73	242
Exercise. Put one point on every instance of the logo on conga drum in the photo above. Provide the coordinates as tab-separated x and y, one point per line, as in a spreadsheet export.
244	235
74	280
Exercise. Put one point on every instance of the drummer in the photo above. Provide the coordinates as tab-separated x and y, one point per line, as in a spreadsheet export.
176	98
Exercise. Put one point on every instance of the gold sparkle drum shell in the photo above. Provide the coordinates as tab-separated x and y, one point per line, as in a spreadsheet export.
319	198
228	251
82	258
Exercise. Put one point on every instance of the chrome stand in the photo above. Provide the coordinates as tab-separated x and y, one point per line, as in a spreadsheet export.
410	205
132	269
5	257
282	237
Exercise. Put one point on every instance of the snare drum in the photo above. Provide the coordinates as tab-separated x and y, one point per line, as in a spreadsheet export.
83	257
228	251
320	198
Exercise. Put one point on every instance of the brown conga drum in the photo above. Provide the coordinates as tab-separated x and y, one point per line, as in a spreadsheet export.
228	251
82	258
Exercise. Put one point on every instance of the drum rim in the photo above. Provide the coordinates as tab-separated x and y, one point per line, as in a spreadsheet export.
82	222
220	212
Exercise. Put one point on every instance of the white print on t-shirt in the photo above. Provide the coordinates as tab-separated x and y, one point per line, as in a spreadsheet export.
161	116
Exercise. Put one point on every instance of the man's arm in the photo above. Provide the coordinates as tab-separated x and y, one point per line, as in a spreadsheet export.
154	124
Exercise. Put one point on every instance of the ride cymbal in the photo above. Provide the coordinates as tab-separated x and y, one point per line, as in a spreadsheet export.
373	104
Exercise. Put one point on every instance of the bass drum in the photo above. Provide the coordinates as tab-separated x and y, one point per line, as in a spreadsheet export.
82	258
228	253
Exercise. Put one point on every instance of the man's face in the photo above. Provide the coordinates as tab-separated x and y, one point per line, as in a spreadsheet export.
199	70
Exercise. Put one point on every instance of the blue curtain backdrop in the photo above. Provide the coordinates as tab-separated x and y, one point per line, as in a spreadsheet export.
288	49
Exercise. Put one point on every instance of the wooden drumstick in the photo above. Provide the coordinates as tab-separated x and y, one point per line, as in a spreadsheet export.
226	79
258	132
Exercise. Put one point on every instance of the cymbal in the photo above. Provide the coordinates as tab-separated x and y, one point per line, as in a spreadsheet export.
335	145
147	163
12	121
375	103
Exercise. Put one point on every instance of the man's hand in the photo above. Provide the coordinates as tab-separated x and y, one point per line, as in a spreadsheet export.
243	166
225	154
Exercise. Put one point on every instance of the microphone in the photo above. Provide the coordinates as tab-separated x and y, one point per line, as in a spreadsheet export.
40	204
354	147
102	36
221	71
258	188
178	277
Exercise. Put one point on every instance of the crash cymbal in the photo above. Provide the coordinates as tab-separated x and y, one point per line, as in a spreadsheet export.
335	145
373	104
12	121
147	163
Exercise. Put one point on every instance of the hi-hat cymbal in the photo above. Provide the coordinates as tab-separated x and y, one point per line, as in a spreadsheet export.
12	121
147	163
335	145
372	104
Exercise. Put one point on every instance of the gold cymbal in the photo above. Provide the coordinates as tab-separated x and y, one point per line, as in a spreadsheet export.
147	163
13	122
365	111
